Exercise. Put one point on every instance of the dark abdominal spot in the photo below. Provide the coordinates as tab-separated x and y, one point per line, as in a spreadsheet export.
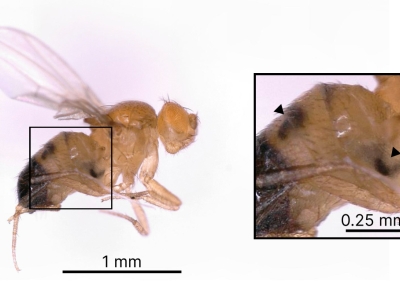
328	90
264	147
268	158
284	130
49	149
38	190
381	167
90	167
95	174
295	117
66	136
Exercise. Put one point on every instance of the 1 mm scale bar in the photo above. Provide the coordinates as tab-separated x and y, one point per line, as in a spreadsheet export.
123	271
372	230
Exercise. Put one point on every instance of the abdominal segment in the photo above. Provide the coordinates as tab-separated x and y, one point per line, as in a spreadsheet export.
69	162
290	206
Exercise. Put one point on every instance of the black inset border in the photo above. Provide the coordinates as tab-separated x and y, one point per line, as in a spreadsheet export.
254	174
70	208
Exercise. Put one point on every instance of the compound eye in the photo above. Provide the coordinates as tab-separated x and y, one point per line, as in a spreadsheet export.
193	121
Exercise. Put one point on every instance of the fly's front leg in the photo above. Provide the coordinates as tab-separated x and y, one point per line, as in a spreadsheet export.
158	195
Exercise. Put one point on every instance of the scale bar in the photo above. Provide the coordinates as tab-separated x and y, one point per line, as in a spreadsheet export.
123	271
372	230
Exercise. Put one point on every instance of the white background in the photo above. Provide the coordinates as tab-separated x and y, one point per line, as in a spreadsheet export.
202	55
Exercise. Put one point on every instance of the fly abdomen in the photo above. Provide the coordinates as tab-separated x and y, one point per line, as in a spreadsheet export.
69	162
38	190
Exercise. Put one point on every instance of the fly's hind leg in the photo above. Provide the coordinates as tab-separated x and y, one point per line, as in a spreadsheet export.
19	210
141	223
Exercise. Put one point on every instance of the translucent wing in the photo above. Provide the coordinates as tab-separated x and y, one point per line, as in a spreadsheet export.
33	73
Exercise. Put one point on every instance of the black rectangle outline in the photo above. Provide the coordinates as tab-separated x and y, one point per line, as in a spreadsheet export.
122	271
70	208
254	143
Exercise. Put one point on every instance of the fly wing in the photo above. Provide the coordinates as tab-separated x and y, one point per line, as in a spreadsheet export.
33	73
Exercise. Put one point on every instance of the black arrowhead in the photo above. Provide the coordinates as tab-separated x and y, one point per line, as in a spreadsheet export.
279	109
395	152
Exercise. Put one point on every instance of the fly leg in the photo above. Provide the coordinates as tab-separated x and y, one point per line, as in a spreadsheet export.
133	196
158	195
19	210
141	223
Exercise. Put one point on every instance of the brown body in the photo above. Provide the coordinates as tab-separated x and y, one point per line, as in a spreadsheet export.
59	169
332	146
74	162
